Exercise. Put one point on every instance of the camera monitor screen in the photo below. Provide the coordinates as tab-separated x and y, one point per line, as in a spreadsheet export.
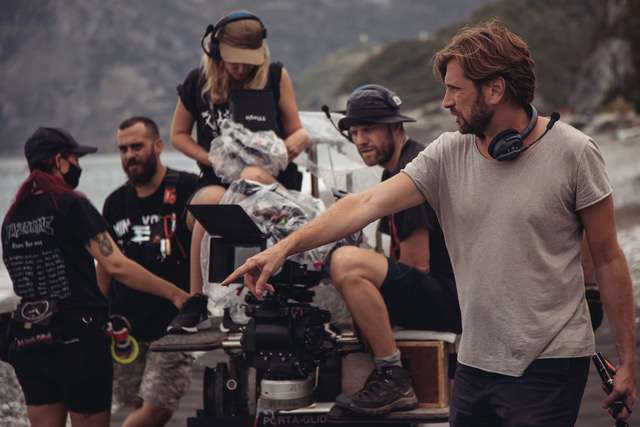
225	220
234	238
225	257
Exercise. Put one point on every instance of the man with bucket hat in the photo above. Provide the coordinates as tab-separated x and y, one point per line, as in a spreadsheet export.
414	288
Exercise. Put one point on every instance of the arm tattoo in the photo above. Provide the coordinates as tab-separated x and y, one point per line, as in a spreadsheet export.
104	244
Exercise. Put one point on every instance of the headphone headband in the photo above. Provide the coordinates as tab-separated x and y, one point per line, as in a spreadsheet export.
237	16
508	144
213	50
391	97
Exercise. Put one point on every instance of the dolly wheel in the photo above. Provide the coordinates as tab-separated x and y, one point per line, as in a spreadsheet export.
222	401
216	393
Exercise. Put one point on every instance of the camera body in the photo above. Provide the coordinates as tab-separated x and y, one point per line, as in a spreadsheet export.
284	339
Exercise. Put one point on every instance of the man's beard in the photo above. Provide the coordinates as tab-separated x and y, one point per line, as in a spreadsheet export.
148	168
385	152
387	149
480	118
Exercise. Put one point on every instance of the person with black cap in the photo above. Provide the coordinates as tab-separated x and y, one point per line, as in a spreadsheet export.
235	57
414	288
51	238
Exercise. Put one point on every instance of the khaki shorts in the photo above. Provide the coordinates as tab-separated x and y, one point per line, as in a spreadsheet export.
161	378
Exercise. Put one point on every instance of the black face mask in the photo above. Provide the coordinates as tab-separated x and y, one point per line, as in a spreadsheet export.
72	177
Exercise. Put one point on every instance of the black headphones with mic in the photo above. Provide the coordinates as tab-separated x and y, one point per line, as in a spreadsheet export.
325	109
391	98
212	48
508	144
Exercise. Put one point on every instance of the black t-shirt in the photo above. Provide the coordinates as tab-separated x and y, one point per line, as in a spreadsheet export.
43	248
208	118
139	226
420	216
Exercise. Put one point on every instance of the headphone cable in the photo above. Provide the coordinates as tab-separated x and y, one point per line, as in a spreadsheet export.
555	116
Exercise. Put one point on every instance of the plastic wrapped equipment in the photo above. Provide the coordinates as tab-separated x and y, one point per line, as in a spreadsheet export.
277	212
237	147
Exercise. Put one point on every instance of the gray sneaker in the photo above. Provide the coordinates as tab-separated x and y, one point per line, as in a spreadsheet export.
384	391
192	317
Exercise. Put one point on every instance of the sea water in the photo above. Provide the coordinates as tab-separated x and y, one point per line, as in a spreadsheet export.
335	161
101	174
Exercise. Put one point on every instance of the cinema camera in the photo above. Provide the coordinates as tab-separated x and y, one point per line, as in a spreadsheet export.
286	338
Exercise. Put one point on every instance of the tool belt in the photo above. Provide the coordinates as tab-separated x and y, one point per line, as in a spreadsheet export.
36	324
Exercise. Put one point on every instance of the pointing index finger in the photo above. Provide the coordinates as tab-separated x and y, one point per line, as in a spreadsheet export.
236	274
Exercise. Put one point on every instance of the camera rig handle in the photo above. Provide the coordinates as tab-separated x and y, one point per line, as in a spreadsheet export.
607	371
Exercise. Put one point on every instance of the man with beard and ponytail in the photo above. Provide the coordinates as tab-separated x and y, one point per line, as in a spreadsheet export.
147	221
513	192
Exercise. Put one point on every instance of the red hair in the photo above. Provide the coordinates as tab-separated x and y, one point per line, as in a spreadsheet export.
41	179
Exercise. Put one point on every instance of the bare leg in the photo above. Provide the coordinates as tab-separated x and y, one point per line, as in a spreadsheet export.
54	415
257	174
148	415
101	419
195	271
358	274
210	195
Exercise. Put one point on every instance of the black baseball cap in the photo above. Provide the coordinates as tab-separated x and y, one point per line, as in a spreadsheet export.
46	142
372	104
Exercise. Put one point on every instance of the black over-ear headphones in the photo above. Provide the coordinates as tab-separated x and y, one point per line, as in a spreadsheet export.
212	48
508	144
391	97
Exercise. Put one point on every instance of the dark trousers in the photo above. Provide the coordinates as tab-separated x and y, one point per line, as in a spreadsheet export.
548	393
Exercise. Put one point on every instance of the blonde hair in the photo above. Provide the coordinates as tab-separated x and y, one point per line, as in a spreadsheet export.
218	82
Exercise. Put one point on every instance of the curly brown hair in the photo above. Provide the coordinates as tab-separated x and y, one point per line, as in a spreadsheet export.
488	51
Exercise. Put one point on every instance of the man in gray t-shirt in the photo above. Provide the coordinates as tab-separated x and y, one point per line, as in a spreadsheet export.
514	193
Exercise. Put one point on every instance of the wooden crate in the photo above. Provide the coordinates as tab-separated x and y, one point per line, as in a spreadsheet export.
429	364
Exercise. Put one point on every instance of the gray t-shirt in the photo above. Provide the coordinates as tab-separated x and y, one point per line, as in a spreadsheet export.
514	238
